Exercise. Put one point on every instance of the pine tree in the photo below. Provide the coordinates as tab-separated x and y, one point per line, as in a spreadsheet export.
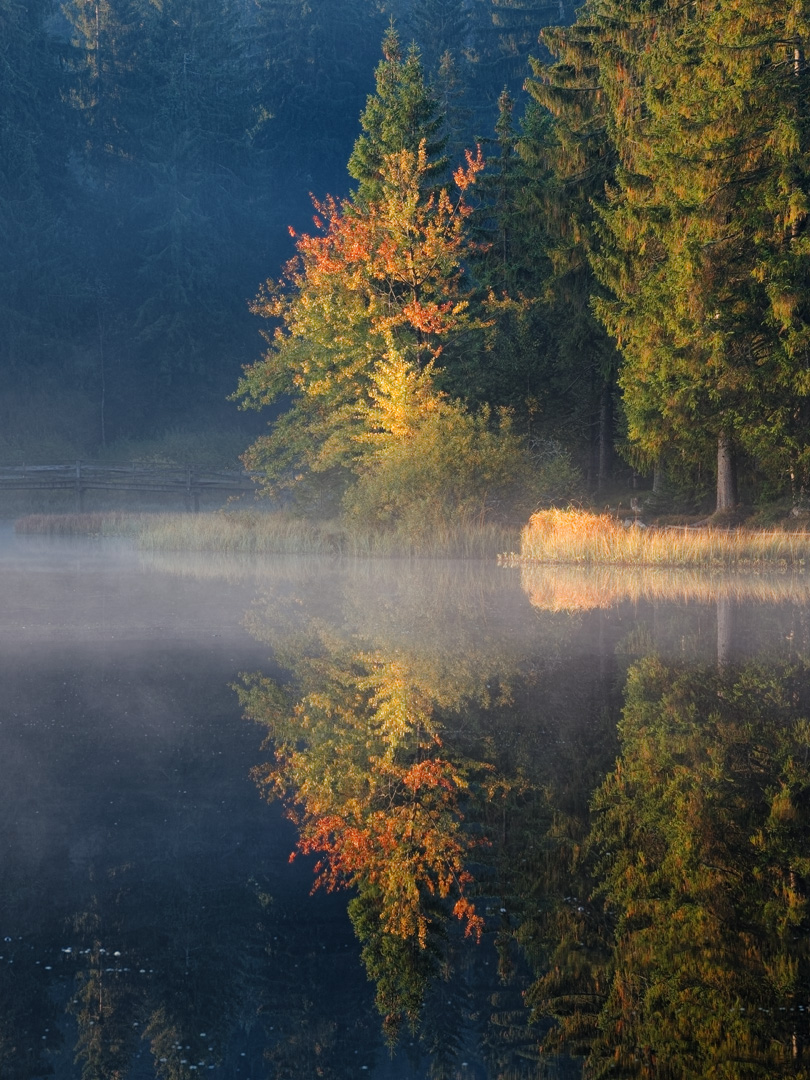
43	288
312	63
188	186
504	34
402	115
575	157
439	27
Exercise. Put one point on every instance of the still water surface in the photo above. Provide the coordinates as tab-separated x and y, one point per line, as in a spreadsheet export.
572	810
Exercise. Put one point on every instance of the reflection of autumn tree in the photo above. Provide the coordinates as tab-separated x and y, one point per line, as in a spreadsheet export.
481	680
468	636
699	845
360	762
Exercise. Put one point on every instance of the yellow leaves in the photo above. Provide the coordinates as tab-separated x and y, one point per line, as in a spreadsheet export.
363	310
782	807
401	396
361	768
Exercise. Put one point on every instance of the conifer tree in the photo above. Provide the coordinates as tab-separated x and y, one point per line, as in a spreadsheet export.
440	26
575	157
402	115
509	366
32	171
701	236
504	34
311	64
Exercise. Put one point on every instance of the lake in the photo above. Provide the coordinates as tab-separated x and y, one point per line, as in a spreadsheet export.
399	819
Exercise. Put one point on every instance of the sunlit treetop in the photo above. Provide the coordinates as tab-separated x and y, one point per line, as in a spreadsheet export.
402	115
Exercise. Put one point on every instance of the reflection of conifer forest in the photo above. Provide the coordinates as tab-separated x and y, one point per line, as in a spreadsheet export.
556	248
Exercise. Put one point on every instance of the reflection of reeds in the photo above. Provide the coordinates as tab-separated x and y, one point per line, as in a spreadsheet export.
575	536
570	588
277	533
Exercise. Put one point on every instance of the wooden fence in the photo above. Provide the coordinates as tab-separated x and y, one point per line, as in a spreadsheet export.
79	477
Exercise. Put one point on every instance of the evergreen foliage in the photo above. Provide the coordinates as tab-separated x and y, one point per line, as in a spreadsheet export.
655	176
402	115
699	115
685	954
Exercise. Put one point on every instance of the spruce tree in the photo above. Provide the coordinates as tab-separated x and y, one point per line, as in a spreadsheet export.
42	284
312	63
576	158
402	115
701	232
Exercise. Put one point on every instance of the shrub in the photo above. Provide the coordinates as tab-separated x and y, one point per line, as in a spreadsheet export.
456	467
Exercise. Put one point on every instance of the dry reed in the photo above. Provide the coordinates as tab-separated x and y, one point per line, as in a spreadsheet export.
577	536
276	533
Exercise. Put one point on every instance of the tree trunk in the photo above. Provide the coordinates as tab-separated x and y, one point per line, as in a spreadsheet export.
605	440
726	473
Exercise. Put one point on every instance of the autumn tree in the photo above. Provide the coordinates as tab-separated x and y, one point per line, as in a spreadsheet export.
363	313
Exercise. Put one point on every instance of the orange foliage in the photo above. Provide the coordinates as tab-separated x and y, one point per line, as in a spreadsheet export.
409	845
402	254
373	281
465	177
365	779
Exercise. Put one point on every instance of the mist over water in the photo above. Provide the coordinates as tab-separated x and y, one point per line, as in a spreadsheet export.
151	923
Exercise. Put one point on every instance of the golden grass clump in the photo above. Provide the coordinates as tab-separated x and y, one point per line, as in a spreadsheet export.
578	536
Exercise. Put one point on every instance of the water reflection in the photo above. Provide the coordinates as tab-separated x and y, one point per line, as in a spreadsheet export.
650	875
569	811
418	758
684	952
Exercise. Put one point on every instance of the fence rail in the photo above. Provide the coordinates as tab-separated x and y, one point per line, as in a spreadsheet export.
189	482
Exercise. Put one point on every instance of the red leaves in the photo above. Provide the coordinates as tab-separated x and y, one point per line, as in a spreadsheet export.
464	178
402	253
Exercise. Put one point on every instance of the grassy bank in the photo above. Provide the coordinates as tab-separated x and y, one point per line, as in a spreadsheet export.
578	536
249	533
551	537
